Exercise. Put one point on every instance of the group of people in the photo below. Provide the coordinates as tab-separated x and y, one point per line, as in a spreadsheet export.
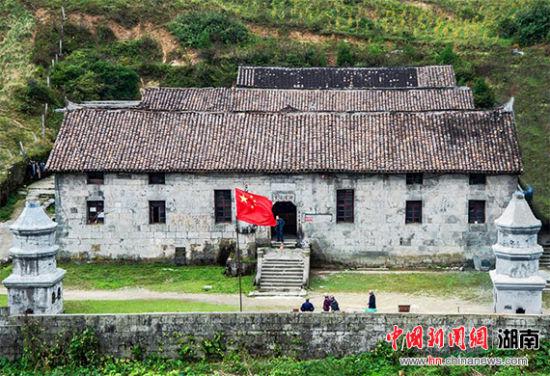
330	304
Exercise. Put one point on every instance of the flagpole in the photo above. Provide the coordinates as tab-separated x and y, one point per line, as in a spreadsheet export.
238	250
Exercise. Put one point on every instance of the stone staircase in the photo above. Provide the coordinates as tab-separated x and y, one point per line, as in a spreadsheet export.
282	272
544	261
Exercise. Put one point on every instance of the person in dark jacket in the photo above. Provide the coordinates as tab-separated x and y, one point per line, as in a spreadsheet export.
334	304
307	306
326	303
372	302
279	227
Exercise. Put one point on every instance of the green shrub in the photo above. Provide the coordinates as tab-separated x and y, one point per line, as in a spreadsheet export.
201	30
530	25
128	52
345	56
7	210
200	75
33	95
46	41
83	349
85	76
104	34
484	96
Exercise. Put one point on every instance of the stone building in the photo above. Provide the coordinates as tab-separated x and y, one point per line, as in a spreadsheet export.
411	174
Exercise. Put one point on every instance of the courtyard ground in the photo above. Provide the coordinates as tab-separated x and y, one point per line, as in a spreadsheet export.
155	287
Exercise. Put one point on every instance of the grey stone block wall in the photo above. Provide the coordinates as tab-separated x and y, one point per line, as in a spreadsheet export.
378	235
306	335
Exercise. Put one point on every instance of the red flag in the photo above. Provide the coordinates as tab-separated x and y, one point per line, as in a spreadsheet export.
254	209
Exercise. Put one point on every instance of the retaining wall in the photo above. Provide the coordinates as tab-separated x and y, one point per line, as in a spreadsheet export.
306	335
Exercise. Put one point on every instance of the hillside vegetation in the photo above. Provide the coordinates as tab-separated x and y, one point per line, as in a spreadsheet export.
112	49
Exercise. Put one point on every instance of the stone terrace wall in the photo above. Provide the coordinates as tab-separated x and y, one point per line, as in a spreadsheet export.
305	335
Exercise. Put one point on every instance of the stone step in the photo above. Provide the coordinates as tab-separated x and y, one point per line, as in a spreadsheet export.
282	267
283	260
278	293
281	280
280	288
281	277
282	272
270	285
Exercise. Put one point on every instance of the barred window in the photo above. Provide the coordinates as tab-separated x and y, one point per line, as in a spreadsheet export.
414	179
157	212
478	179
222	205
157	178
95	178
413	212
476	211
95	213
344	206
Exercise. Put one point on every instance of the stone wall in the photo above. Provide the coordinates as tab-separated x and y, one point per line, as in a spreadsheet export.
378	235
309	335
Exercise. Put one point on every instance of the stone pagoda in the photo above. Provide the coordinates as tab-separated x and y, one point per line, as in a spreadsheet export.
517	283
35	285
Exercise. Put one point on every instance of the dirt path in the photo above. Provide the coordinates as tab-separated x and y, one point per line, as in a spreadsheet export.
349	302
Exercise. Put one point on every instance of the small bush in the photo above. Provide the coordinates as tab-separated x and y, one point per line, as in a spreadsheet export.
85	76
200	75
32	97
105	34
344	55
146	50
201	30
83	349
484	96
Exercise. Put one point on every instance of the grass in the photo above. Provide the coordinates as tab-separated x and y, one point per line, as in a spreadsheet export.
467	285
3	300
142	306
153	276
7	210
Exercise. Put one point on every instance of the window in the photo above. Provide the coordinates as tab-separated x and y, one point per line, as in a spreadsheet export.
414	179
222	205
413	212
478	179
156	178
344	205
157	212
476	211
95	213
95	178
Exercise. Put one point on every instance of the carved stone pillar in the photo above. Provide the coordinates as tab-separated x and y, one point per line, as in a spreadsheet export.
517	283
35	285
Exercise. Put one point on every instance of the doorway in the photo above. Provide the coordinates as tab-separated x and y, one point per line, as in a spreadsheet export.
287	211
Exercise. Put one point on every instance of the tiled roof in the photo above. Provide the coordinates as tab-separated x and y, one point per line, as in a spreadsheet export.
384	142
345	78
274	100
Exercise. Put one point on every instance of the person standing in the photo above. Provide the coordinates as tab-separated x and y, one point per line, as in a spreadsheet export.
307	306
334	304
326	303
279	228
372	302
